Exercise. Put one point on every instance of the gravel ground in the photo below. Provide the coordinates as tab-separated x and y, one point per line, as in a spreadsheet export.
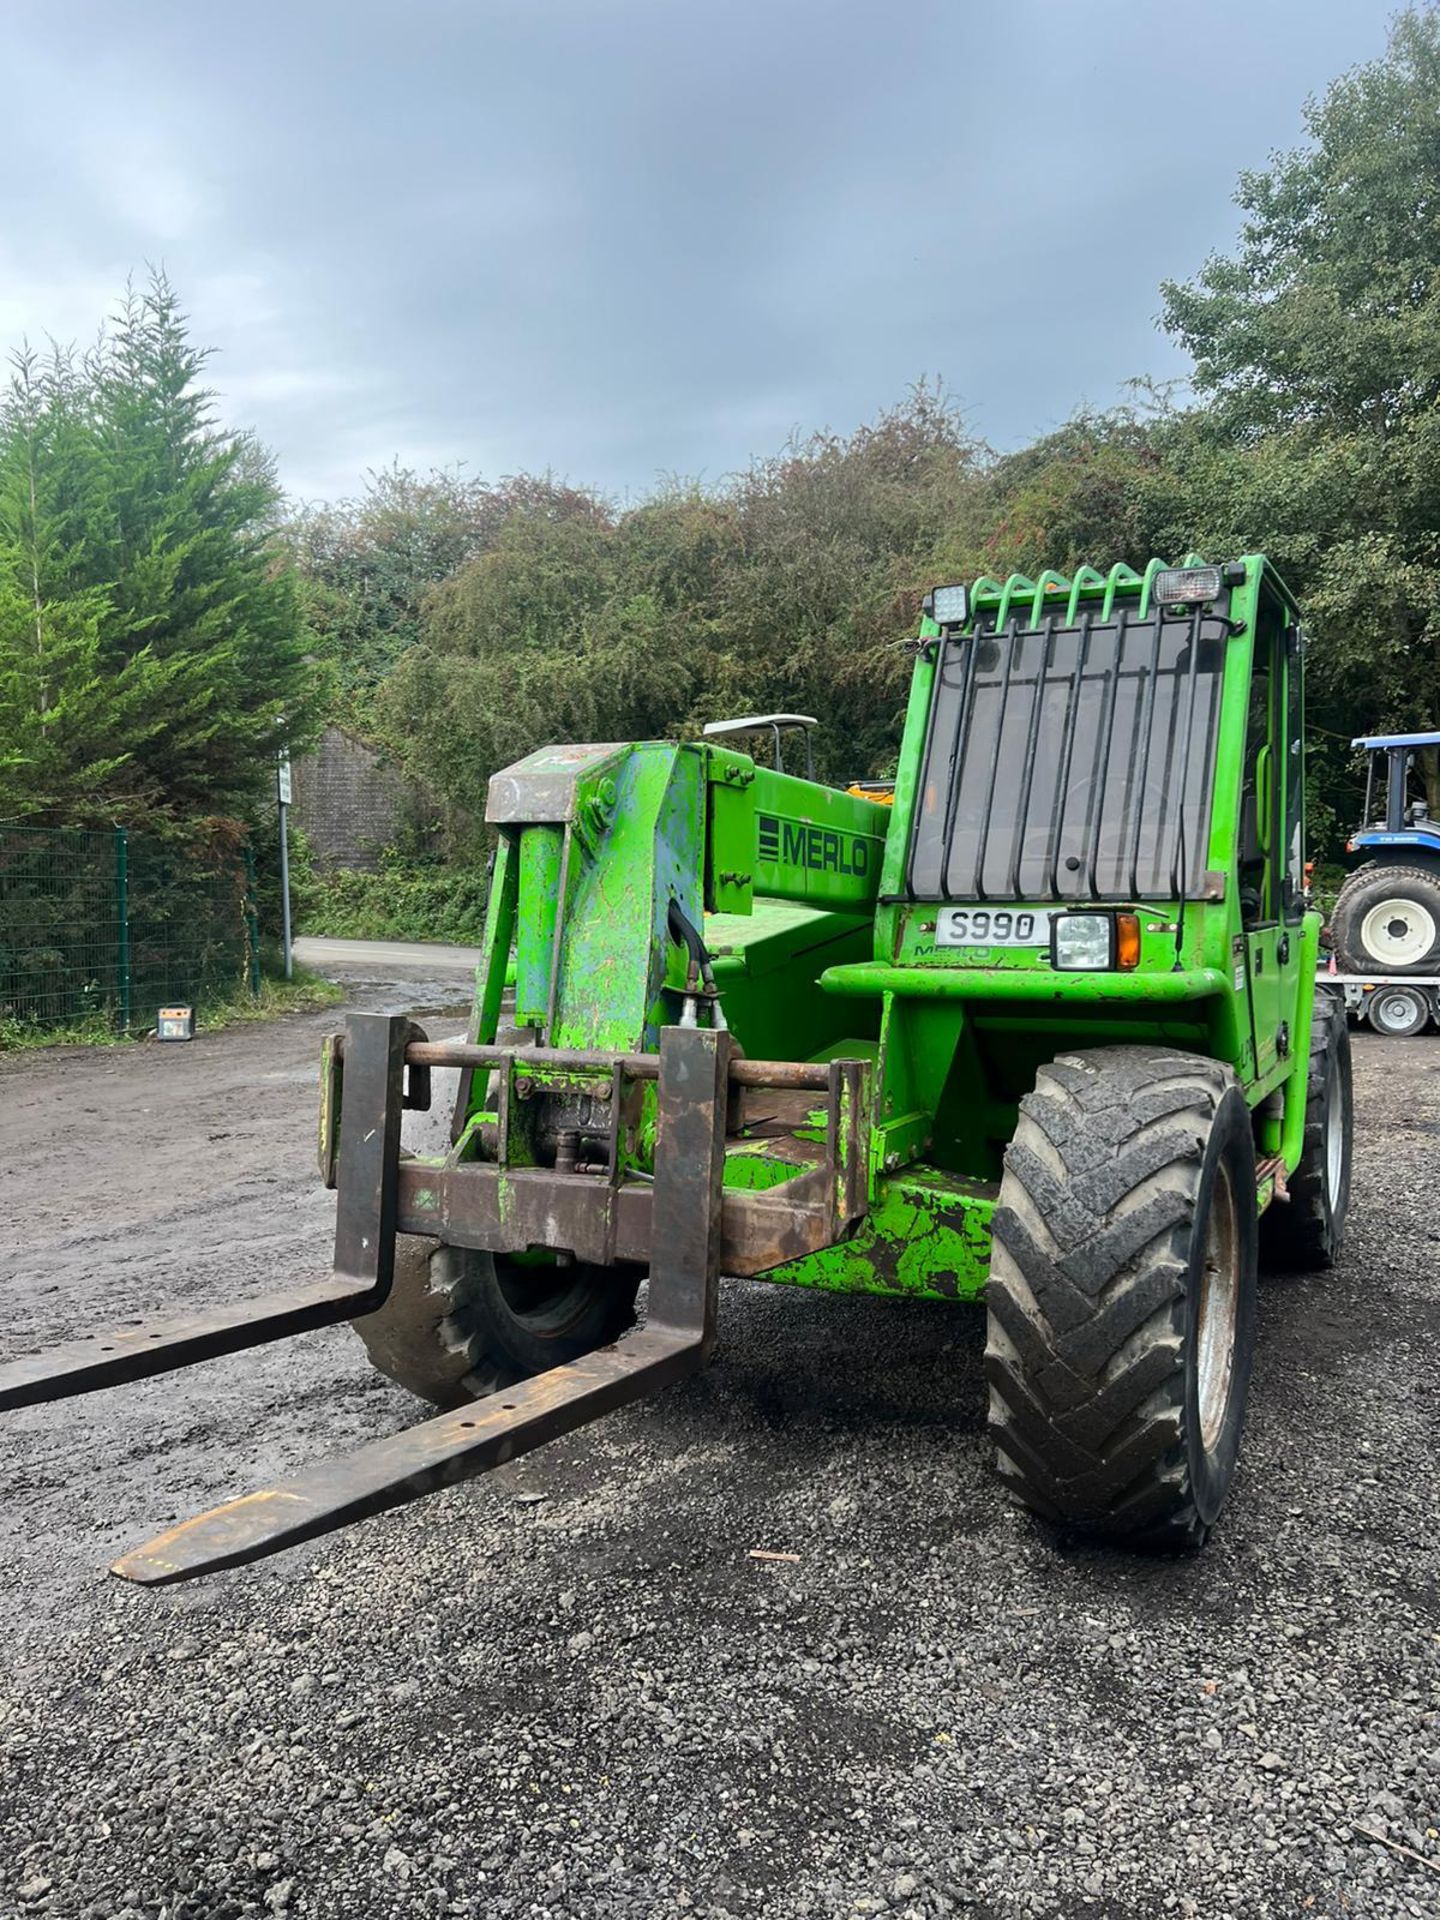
568	1691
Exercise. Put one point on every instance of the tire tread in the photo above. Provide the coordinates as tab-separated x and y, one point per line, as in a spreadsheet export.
1086	1298
1299	1235
1349	912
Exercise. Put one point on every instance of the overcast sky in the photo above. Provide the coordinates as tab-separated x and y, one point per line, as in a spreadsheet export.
621	238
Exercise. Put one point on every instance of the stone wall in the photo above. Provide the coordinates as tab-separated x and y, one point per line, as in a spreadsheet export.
350	802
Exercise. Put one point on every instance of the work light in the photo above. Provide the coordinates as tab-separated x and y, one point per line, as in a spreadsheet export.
948	606
1179	586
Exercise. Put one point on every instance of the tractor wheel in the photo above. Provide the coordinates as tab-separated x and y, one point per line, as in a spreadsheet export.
460	1324
1387	920
1303	1234
1398	1012
1121	1300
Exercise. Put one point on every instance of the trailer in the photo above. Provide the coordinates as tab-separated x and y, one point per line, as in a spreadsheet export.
1400	1009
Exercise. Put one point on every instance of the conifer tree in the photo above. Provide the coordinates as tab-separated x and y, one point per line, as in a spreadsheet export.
152	647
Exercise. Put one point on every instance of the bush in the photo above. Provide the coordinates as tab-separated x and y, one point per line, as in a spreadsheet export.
1325	884
401	901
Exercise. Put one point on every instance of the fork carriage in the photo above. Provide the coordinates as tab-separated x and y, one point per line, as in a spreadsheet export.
681	1224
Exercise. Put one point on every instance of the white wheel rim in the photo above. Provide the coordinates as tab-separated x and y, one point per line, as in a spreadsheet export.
1334	1136
1398	933
1397	1013
1218	1312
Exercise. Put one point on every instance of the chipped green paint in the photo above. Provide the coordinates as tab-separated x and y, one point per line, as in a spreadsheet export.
561	1080
750	1169
541	854
926	1237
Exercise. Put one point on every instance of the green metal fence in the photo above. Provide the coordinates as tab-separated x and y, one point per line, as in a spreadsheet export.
111	925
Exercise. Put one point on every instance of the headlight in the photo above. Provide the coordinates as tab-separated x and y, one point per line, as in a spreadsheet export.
1083	940
1093	942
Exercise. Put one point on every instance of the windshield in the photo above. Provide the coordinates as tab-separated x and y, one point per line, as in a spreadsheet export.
1071	762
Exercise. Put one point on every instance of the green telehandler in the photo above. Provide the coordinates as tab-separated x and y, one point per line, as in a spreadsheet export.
1040	1026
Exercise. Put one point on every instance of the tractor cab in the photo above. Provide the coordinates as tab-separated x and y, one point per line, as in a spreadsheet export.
1387	917
1397	811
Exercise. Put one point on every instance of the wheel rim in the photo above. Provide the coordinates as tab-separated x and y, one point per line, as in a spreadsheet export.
542	1298
1398	933
1218	1312
1334	1136
1396	1013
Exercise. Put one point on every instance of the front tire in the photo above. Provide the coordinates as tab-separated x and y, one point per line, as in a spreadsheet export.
1121	1300
459	1324
1387	920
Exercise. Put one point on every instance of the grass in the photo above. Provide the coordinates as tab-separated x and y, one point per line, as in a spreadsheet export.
95	1030
305	993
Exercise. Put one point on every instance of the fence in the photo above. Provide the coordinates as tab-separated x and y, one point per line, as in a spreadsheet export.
108	926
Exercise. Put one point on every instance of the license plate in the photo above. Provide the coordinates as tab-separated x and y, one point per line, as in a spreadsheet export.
992	927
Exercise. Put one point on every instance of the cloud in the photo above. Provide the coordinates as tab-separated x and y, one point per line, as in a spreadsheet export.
157	194
615	238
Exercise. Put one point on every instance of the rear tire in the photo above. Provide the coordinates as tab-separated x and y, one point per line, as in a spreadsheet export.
460	1324
1121	1300
1397	1012
1304	1234
1387	920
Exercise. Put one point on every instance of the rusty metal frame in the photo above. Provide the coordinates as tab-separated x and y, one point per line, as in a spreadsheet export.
682	1224
507	1205
675	1341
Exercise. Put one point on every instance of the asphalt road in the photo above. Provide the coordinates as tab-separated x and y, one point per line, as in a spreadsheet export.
569	1691
352	957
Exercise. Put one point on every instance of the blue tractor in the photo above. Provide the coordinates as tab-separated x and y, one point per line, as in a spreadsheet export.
1387	918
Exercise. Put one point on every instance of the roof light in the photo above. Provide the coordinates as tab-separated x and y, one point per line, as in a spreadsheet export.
1180	586
948	606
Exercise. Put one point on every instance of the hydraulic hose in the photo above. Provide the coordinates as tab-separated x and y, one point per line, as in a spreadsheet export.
684	934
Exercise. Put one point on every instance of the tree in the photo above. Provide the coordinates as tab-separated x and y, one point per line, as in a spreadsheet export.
153	655
368	564
788	586
1317	349
57	701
